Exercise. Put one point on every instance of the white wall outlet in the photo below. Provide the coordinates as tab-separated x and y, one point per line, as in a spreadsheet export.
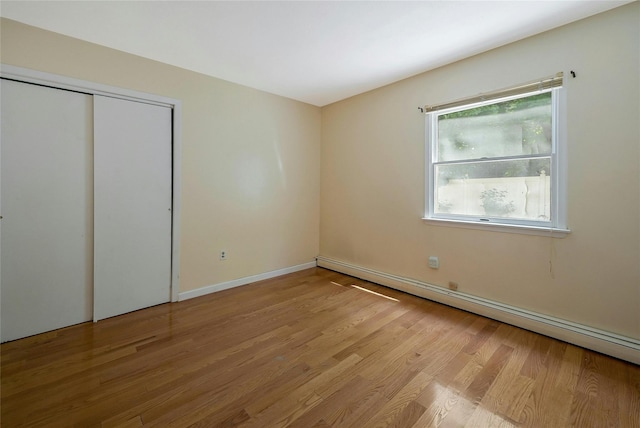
434	262
224	254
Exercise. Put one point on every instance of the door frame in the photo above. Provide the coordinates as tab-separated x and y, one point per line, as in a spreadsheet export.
92	88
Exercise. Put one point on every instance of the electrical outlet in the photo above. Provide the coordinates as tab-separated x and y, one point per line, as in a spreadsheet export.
224	255
453	286
434	262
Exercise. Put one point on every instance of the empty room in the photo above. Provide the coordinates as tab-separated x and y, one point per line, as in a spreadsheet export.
320	213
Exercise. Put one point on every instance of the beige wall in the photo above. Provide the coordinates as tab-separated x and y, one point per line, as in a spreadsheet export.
250	169
252	179
372	186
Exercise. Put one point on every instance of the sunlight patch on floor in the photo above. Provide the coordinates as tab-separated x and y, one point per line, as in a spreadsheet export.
373	292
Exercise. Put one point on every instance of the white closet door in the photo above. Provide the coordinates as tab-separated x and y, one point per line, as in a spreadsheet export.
46	199
132	218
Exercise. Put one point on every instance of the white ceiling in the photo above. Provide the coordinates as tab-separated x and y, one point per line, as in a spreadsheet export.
318	52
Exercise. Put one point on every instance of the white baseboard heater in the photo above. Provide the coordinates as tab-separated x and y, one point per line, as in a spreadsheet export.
612	344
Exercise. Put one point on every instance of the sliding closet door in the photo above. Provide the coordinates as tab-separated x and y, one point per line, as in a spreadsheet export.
46	199
132	219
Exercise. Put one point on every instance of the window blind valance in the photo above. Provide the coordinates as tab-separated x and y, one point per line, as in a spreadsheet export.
538	85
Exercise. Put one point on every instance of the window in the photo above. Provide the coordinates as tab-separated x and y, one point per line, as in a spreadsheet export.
498	161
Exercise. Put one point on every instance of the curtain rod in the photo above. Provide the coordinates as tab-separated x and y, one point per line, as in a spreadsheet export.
537	85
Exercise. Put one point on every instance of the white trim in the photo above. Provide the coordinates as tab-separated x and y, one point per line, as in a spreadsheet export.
561	165
500	227
430	134
176	209
616	345
72	84
558	171
185	295
93	88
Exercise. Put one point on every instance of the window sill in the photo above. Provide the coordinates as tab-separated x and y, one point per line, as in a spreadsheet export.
506	228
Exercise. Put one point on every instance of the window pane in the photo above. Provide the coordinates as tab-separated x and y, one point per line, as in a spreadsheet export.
510	128
516	189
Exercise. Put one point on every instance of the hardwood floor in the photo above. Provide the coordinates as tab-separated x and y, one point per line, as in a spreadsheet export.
310	349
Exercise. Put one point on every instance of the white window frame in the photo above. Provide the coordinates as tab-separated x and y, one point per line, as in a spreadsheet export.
557	226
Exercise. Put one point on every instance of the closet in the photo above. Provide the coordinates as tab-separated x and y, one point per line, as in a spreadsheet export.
85	200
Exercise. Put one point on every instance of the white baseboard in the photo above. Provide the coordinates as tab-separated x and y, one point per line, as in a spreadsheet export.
625	348
242	281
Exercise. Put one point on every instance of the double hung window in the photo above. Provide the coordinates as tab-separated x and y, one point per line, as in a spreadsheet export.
499	160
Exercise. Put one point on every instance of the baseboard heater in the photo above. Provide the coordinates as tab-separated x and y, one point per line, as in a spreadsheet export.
608	343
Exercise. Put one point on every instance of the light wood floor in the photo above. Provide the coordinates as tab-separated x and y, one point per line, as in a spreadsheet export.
311	349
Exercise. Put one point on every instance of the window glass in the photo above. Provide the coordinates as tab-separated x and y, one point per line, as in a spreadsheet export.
516	127
495	161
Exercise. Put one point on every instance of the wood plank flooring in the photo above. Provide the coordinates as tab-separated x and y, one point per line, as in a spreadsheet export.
310	349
